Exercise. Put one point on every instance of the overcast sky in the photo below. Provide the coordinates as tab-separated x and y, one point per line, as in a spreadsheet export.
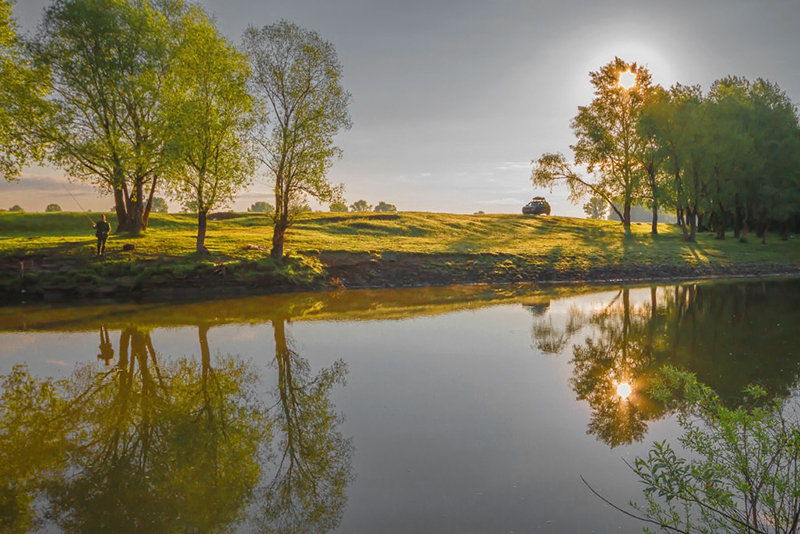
453	99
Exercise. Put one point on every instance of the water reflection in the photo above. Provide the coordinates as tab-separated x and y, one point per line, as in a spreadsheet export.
138	440
709	329
314	459
153	444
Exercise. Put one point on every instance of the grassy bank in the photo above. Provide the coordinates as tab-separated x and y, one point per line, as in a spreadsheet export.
46	253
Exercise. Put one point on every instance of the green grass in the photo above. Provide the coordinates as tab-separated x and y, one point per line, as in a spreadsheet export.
502	244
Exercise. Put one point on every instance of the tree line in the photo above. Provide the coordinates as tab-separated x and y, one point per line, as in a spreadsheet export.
140	96
724	159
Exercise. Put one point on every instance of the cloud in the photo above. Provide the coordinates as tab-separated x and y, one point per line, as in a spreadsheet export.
513	166
502	201
47	183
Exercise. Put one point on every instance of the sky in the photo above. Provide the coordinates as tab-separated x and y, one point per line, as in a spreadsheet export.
453	99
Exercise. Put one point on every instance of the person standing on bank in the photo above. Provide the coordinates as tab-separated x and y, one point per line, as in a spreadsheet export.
102	228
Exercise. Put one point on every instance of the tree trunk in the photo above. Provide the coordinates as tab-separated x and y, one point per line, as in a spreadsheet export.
764	228
626	220
119	207
691	235
149	204
278	234
202	217
654	226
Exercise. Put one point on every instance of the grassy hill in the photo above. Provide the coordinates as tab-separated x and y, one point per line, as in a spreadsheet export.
372	249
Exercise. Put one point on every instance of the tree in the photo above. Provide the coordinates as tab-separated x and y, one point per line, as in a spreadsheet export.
52	208
383	206
16	208
208	117
22	88
608	144
360	205
297	80
159	205
107	60
339	206
675	122
596	208
261	207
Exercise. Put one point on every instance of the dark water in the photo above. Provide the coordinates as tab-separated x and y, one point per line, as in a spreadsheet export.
463	409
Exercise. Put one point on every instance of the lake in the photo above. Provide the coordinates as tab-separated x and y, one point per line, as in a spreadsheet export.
457	409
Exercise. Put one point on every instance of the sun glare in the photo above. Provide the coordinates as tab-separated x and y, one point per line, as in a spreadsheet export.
624	390
627	79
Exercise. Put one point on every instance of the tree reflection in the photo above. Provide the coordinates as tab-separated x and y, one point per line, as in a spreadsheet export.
143	446
314	461
140	443
706	329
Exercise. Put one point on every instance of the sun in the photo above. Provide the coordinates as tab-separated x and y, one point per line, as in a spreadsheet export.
627	79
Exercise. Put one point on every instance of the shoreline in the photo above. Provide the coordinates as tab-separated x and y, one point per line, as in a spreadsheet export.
350	271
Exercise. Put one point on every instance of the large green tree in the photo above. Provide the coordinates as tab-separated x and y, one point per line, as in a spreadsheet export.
22	88
297	80
208	115
107	60
608	143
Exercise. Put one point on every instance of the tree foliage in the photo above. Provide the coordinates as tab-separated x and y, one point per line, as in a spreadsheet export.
159	205
728	158
360	206
107	60
384	206
596	208
207	118
607	142
297	81
51	208
738	470
338	206
22	89
261	207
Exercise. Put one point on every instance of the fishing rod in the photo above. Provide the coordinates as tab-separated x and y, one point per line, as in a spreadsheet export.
76	202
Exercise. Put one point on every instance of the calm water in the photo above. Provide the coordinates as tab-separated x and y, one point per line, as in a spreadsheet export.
461	409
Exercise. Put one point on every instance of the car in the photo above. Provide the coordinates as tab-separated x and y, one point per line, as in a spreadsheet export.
537	206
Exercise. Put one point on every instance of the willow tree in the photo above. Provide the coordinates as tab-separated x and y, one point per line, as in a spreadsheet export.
608	144
106	59
208	110
297	80
22	88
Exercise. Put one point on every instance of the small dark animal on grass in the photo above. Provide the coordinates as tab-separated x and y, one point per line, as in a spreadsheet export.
128	247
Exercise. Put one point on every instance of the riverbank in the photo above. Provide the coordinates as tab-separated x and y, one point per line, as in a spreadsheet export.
50	256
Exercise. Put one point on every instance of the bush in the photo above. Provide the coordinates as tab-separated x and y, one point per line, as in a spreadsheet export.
51	208
16	208
383	206
261	207
360	206
339	207
159	205
741	468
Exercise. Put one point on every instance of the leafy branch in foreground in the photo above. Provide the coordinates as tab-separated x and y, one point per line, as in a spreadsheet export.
737	470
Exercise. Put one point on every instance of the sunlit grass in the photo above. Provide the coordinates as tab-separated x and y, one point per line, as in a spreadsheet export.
559	243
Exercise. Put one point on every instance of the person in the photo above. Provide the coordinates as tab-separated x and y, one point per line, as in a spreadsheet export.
102	228
106	349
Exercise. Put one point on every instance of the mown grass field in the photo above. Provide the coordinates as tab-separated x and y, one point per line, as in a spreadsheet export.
554	241
368	250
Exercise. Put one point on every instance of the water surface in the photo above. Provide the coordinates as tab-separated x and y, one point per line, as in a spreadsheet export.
462	409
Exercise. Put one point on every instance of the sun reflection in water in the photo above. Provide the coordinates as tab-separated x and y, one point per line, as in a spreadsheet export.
624	390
